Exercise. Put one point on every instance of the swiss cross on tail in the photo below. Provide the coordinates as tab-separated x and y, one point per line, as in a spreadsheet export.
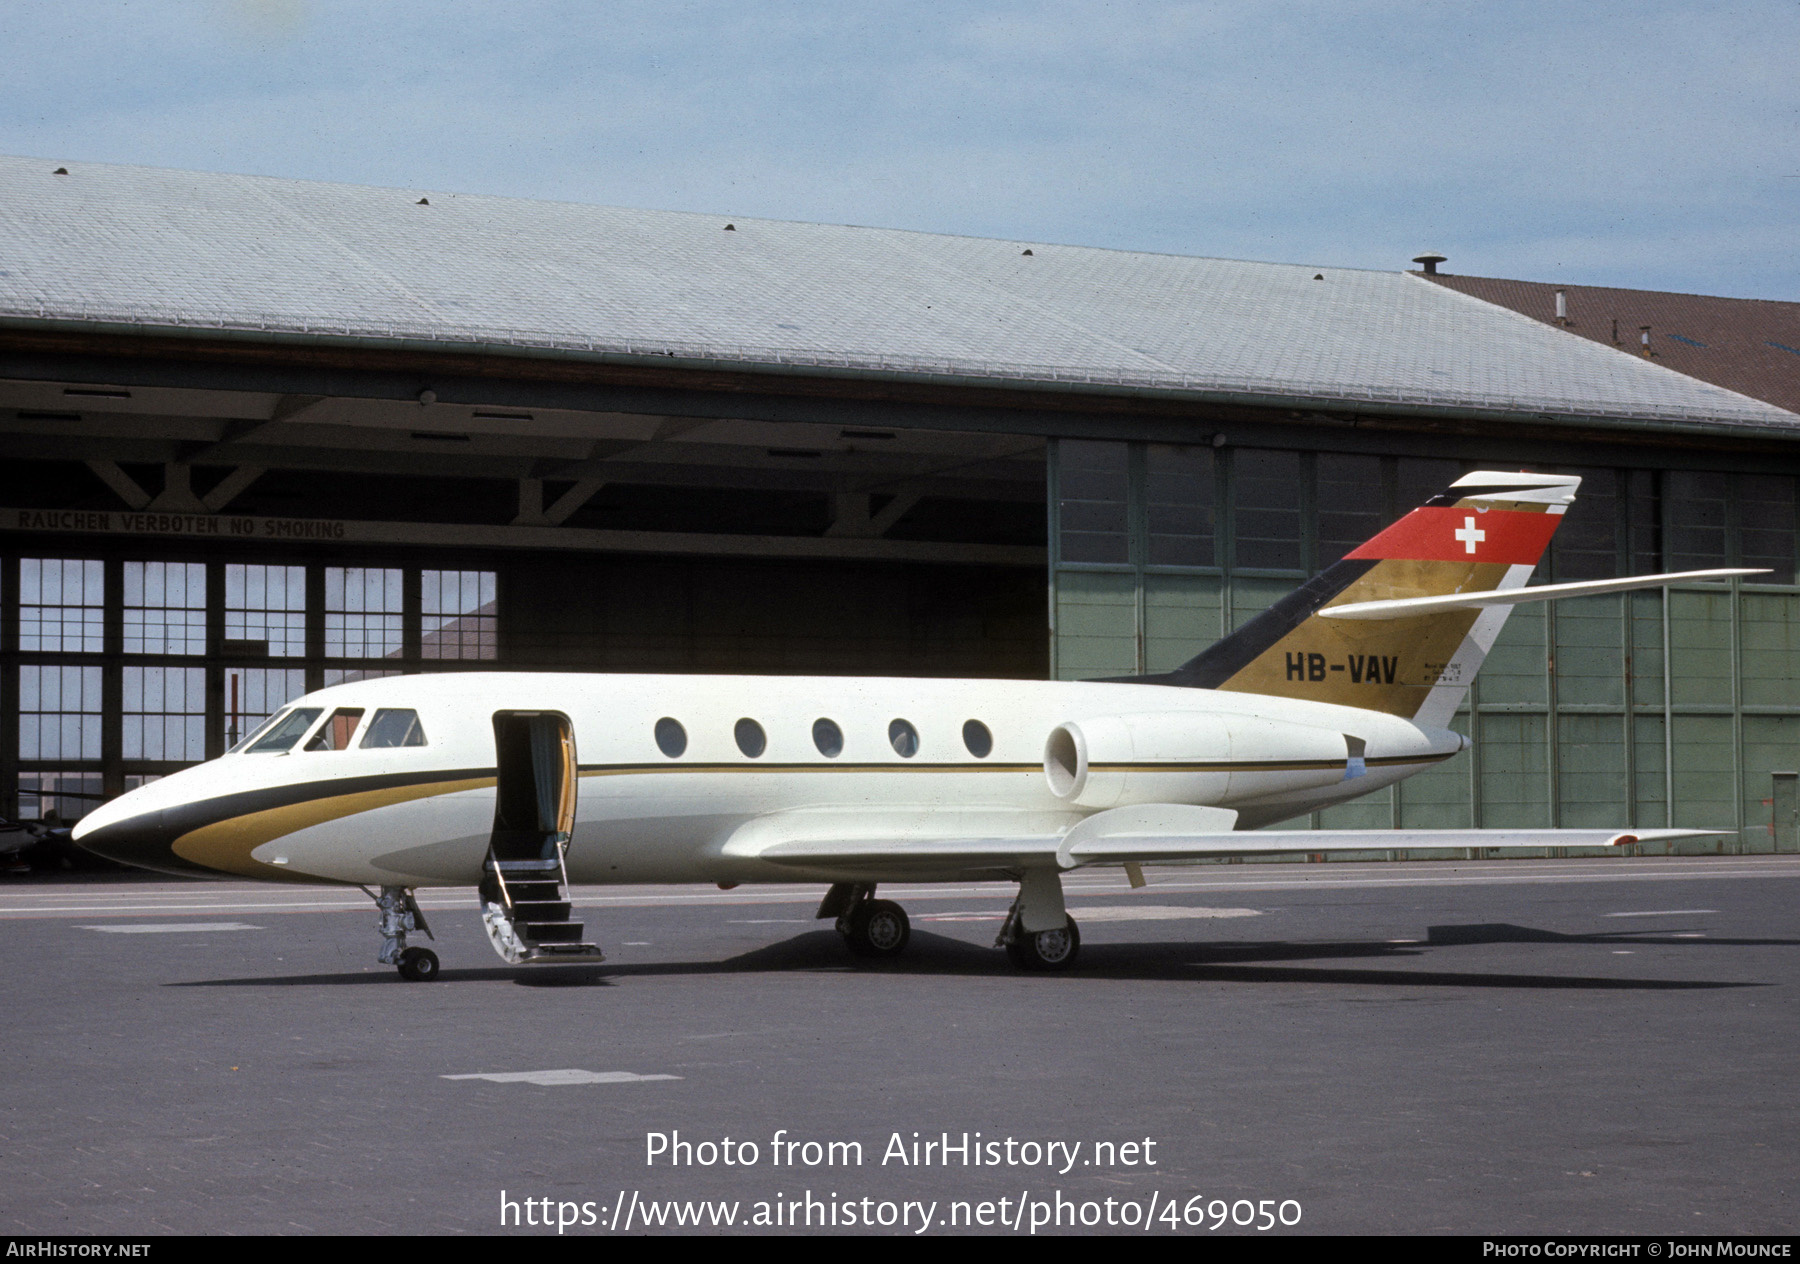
1465	534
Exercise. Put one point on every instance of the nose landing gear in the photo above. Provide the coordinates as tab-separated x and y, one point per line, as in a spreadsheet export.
400	915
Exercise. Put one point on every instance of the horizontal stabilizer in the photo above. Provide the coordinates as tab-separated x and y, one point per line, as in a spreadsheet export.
1413	607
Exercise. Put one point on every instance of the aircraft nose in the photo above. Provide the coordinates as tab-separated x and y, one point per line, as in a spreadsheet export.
140	839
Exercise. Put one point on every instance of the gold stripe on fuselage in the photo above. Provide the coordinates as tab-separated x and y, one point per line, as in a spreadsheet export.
227	845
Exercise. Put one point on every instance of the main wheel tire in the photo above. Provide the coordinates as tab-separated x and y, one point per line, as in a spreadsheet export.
878	929
1047	949
419	965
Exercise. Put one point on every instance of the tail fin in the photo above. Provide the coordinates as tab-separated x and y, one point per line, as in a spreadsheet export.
1484	533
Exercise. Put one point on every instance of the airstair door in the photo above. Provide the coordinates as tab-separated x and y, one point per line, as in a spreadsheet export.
524	895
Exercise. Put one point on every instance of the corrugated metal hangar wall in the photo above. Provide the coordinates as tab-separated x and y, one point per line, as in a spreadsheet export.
264	435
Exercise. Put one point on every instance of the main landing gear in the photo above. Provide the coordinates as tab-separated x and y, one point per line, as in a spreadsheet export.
875	929
399	916
1038	933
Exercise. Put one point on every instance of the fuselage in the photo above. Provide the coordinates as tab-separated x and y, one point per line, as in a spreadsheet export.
938	754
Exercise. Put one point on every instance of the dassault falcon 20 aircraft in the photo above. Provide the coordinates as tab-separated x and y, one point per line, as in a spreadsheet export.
519	784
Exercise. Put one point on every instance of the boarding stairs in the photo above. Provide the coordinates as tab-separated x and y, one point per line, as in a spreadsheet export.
526	910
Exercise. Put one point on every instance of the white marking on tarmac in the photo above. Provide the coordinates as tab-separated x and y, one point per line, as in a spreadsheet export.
1155	913
556	1079
1665	913
169	928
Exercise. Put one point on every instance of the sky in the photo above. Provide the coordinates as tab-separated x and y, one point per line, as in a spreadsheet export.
1651	145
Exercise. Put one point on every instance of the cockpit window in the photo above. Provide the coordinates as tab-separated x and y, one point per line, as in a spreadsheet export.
394	726
335	733
255	733
287	730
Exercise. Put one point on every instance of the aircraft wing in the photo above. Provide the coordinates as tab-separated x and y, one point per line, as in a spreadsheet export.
1147	833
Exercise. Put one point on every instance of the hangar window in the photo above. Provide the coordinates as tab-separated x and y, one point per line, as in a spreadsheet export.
977	738
394	726
286	731
1586	544
1094	483
165	608
750	737
60	605
1267	510
671	738
254	693
64	796
1349	503
828	737
1643	520
904	738
362	612
1179	505
1695	503
335	733
265	610
1766	525
59	712
350	675
165	713
459	615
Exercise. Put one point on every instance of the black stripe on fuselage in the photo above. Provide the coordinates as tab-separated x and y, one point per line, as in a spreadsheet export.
148	841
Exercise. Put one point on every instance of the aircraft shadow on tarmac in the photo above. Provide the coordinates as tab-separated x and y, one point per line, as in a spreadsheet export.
1193	962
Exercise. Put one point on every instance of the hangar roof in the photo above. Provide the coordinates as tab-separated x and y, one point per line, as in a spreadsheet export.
152	250
1749	345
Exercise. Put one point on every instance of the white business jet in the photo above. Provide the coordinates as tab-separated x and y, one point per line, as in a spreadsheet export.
522	783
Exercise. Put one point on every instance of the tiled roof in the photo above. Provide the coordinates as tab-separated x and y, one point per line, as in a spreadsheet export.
149	249
1747	345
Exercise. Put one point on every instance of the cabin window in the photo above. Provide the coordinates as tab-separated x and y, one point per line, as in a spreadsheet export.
289	729
977	738
396	726
828	737
671	738
904	737
335	733
750	737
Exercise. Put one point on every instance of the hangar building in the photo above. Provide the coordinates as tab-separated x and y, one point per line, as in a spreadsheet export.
262	435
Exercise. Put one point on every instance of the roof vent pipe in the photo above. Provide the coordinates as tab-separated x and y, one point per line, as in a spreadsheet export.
1562	307
1429	261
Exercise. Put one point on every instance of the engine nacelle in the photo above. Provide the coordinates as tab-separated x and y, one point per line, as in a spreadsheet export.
1188	757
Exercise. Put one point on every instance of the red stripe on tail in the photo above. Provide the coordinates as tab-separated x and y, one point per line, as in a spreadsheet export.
1465	535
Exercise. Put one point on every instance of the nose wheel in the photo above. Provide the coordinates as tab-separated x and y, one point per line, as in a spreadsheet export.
399	916
418	965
